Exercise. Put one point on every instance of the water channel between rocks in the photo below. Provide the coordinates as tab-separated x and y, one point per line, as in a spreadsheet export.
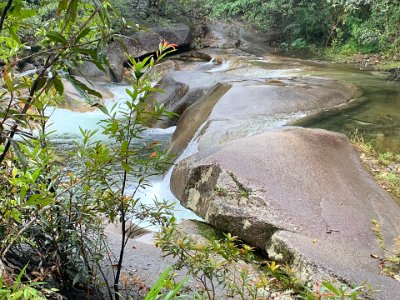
376	119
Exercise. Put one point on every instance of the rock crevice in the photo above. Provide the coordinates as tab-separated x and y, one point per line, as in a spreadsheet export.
300	194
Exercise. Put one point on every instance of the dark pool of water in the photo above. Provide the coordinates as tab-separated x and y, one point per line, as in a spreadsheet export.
378	119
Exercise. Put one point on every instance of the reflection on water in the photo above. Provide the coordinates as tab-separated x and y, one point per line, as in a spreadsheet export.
378	119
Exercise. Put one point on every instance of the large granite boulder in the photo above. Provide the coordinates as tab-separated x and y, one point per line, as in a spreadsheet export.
302	195
225	35
89	70
136	44
249	107
179	34
172	91
142	43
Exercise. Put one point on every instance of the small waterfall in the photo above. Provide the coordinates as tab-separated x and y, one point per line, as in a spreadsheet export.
211	62
66	123
160	186
224	66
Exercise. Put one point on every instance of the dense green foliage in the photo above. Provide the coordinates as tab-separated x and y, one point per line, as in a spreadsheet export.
366	25
348	26
55	205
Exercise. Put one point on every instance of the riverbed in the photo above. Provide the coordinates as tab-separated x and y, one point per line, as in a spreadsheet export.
376	119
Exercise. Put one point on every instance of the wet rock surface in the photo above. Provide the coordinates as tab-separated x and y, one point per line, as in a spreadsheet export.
252	106
300	194
75	101
141	43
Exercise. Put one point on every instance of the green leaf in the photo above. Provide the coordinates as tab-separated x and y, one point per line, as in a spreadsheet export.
77	277
8	81
72	11
83	33
37	199
126	167
13	30
330	287
124	147
16	214
103	109
22	194
36	174
83	89
89	52
62	5
58	85
18	280
41	83
56	37
158	285
171	295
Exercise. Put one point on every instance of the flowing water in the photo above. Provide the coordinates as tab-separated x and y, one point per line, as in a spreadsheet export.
67	125
377	119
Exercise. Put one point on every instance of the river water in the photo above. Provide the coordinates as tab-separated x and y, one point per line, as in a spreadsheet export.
377	119
67	125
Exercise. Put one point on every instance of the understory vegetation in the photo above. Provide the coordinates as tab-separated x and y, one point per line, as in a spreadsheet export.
54	206
225	267
385	166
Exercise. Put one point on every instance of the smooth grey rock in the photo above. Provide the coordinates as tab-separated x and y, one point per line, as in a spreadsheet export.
302	195
179	34
251	107
27	67
172	91
88	69
142	43
75	102
225	35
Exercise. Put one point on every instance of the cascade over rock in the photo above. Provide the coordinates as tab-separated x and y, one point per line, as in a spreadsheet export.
300	194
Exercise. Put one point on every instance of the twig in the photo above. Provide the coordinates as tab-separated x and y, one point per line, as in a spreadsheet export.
4	14
23	229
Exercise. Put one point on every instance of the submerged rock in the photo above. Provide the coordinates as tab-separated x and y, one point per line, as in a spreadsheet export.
302	195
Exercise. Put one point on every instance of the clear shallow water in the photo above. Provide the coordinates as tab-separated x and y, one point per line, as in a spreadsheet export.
377	119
